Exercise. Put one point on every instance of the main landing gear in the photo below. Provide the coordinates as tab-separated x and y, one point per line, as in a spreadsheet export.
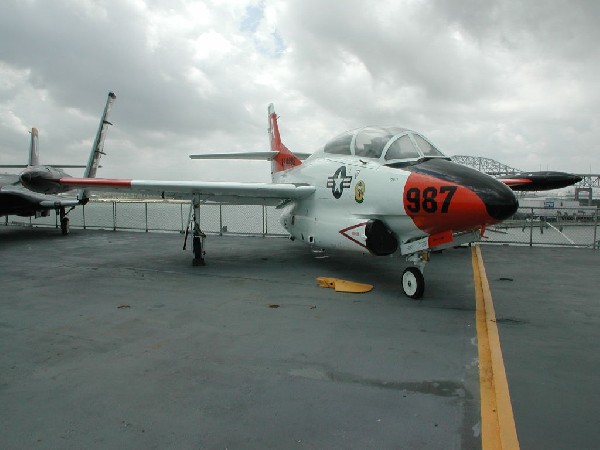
64	220
413	282
198	246
198	236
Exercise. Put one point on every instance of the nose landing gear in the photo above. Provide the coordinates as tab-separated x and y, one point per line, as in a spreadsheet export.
413	282
417	253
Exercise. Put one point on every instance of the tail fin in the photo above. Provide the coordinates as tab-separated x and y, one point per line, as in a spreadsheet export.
284	159
34	157
98	146
34	151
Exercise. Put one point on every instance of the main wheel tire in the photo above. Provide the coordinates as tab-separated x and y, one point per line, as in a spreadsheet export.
413	283
64	226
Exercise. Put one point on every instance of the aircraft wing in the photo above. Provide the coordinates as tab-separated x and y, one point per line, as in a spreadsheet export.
208	191
16	200
539	181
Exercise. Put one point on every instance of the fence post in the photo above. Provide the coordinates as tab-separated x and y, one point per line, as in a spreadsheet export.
264	218
181	217
114	215
596	243
83	215
220	219
531	229
146	209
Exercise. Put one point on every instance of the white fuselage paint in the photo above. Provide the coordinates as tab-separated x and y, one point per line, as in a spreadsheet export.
319	220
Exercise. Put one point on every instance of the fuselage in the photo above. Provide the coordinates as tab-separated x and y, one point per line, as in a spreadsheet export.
358	199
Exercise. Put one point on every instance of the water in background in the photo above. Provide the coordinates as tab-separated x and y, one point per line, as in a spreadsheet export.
167	215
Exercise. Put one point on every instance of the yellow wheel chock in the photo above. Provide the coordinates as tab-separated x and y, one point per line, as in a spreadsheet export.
344	285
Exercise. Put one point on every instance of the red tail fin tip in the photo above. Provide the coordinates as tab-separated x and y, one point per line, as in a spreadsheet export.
284	159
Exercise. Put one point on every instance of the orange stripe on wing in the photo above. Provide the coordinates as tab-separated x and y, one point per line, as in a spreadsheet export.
515	181
106	182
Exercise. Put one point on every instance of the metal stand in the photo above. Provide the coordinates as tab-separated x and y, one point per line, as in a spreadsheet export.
198	235
64	220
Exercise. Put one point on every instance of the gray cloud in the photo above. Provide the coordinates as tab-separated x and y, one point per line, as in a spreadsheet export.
511	80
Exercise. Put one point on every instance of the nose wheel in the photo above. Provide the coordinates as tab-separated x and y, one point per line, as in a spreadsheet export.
413	283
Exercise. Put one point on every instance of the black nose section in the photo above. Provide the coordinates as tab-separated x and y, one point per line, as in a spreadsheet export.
26	177
575	179
500	202
42	180
31	176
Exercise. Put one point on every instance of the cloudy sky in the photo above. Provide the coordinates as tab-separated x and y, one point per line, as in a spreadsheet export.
514	80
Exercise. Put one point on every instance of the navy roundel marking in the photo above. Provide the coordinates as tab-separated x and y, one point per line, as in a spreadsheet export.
338	182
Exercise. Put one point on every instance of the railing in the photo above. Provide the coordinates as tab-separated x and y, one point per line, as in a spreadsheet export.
575	227
166	215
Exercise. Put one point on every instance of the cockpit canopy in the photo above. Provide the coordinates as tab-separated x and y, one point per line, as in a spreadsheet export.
384	143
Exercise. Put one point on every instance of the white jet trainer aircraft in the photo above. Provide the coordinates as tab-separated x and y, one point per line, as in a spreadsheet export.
381	190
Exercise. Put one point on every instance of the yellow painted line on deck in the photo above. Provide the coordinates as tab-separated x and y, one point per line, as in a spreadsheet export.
498	428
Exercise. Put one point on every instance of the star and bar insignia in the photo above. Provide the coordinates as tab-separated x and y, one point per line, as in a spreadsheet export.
338	182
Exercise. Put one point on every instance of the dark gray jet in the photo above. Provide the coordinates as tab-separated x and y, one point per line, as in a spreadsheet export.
16	199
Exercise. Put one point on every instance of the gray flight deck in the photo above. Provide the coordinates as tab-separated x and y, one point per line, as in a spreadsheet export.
114	340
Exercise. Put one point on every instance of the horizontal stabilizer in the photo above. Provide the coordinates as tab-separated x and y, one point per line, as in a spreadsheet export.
258	156
60	166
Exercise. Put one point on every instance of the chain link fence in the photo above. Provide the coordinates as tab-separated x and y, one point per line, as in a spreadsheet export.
576	227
